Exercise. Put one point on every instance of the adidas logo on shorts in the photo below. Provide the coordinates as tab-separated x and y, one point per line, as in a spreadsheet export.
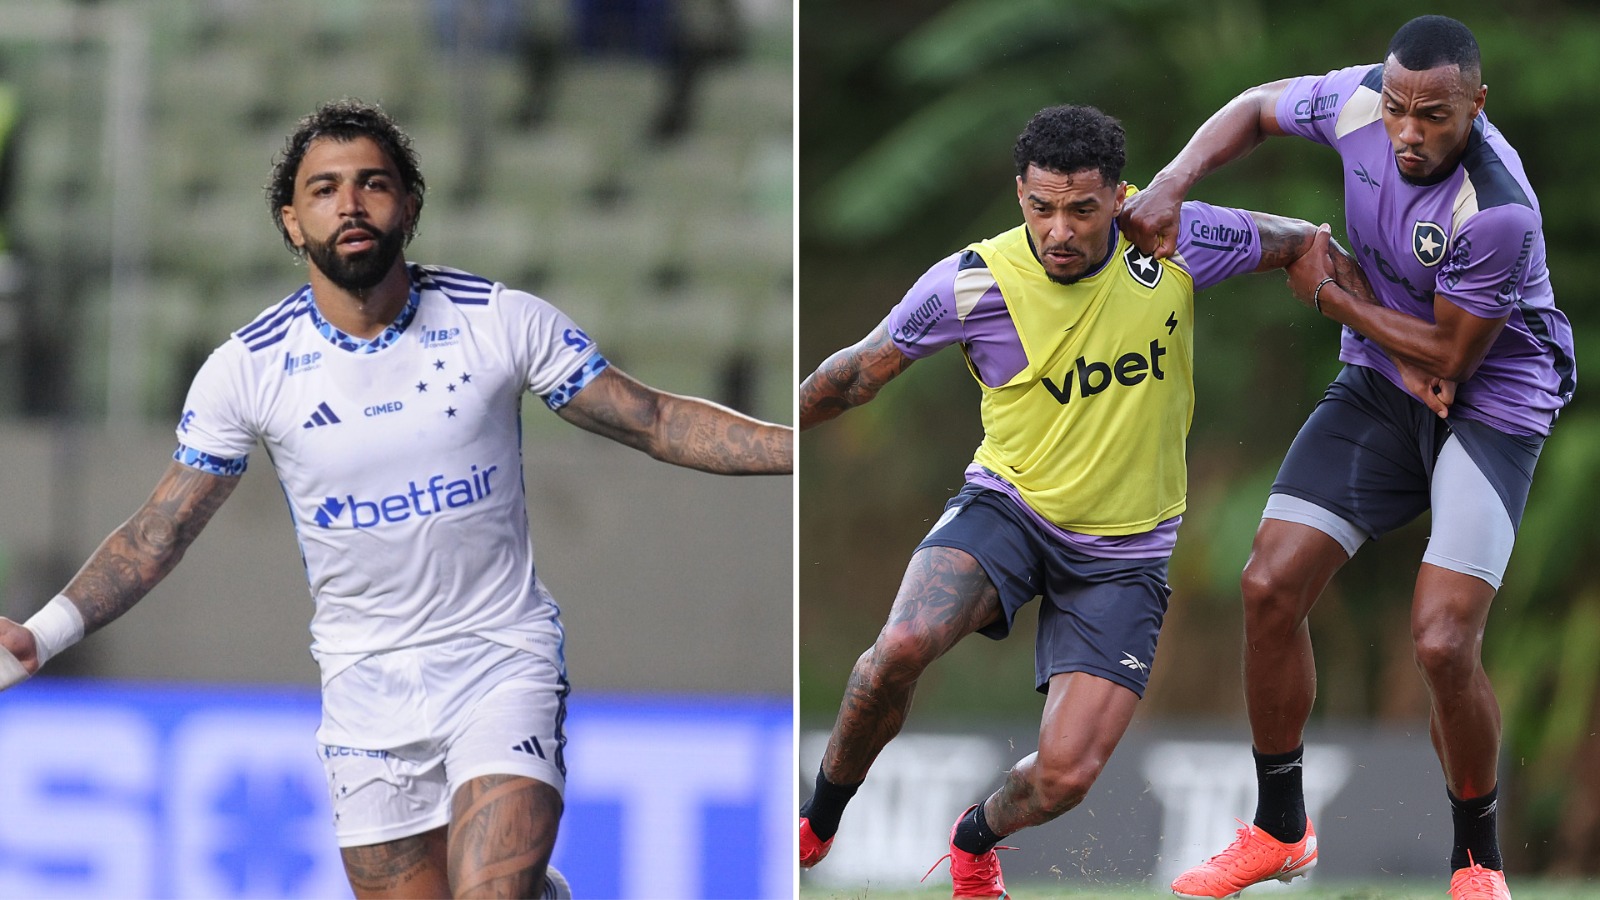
529	746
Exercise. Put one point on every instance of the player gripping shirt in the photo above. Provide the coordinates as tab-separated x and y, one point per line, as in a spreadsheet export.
1082	383
1473	236
400	458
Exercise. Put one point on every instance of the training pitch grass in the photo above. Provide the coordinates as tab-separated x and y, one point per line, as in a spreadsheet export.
1521	888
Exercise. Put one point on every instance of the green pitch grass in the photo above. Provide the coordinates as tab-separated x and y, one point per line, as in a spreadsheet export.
1521	888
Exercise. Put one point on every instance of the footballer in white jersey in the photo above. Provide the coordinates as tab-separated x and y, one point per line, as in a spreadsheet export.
434	405
388	396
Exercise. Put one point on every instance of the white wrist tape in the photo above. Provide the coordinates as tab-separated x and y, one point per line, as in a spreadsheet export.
55	628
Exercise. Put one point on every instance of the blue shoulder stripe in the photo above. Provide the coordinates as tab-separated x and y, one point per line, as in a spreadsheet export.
459	287
270	327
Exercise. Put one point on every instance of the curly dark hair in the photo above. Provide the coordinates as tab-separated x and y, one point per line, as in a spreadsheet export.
343	120
1067	139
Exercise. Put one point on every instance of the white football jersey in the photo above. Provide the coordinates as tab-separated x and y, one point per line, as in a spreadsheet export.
400	456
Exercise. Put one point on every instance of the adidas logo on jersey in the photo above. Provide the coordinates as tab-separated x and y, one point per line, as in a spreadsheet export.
322	415
529	746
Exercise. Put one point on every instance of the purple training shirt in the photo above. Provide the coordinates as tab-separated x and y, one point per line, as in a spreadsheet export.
1215	243
1473	236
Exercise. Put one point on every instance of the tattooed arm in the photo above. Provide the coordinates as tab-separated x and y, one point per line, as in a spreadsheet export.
684	431
850	377
1283	240
135	557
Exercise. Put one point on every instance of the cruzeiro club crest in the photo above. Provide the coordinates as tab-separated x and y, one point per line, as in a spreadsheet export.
1142	266
1427	242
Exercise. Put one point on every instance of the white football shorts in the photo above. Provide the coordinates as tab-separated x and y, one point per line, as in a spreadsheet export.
402	730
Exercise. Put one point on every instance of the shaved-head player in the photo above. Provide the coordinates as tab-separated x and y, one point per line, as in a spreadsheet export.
1457	364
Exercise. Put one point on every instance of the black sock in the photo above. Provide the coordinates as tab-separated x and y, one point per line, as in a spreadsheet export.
973	834
826	806
1280	800
1475	831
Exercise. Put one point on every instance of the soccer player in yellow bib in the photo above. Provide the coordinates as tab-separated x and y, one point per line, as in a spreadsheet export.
1082	345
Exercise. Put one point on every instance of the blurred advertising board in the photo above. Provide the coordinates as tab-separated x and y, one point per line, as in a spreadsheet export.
125	790
1169	798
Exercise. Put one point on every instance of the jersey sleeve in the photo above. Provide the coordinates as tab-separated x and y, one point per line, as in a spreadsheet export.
556	357
926	318
216	431
1310	105
1216	243
1488	261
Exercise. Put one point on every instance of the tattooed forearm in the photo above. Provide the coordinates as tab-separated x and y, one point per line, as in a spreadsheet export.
685	431
1348	275
1283	240
850	377
136	556
712	438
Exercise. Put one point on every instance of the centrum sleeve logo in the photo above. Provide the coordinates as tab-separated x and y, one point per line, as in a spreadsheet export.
921	321
1220	237
1315	108
433	495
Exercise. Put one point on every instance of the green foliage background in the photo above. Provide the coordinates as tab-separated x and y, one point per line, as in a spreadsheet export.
908	109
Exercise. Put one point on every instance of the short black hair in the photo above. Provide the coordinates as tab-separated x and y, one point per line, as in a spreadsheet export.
1067	139
343	120
1428	42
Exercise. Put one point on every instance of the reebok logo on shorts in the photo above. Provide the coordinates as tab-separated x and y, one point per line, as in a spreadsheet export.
529	746
1133	663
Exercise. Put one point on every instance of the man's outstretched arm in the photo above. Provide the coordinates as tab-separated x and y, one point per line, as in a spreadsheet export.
128	563
684	431
1150	217
850	377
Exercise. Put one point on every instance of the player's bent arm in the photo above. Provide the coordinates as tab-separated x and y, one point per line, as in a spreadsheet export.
851	377
126	565
1150	217
1451	347
684	431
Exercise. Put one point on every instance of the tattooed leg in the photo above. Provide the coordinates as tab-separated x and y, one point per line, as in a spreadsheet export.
1084	718
944	597
502	829
410	868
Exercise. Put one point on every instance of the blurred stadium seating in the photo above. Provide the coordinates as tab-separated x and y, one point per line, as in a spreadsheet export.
664	249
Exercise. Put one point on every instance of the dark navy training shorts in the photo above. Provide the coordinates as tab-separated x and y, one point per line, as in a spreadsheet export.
1368	451
1100	616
